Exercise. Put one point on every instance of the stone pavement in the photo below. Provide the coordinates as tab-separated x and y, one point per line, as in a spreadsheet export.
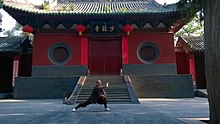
150	111
189	109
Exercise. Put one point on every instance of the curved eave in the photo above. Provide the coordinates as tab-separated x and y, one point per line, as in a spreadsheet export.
44	12
38	18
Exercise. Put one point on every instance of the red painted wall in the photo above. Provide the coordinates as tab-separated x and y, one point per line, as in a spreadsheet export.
186	64
43	41
165	42
182	61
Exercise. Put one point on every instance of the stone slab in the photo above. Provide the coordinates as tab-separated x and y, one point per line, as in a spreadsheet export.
44	87
163	86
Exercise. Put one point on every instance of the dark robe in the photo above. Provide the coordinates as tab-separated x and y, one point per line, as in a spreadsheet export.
98	95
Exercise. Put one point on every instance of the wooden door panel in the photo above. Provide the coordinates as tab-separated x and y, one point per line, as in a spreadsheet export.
105	56
112	48
97	48
97	65
112	65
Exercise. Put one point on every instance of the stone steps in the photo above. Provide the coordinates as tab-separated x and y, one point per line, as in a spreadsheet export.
117	91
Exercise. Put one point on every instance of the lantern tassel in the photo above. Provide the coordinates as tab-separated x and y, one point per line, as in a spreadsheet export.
128	33
80	33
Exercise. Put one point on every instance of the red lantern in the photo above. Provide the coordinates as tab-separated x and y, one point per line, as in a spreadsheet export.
80	28
128	28
27	28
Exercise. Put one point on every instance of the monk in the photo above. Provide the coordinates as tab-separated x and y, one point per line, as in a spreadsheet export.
98	96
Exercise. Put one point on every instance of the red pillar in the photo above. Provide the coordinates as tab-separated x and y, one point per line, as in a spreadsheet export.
125	50
192	66
84	51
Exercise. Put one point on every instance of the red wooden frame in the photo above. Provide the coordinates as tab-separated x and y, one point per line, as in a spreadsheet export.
105	55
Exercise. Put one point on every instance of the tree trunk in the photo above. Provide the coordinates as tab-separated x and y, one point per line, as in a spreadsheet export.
212	57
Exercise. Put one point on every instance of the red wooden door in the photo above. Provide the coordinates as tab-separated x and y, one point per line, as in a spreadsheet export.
105	56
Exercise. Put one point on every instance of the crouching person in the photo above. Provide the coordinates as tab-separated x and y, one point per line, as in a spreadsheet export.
98	96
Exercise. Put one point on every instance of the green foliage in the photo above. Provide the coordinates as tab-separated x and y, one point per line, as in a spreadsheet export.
106	8
9	33
193	28
17	27
72	7
124	9
16	31
189	8
64	8
1	3
46	5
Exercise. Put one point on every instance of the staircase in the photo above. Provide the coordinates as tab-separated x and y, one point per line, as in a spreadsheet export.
117	92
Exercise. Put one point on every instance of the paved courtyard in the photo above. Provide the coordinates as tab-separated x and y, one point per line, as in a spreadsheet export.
150	111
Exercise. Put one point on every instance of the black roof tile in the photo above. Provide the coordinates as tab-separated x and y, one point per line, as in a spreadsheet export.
196	43
11	44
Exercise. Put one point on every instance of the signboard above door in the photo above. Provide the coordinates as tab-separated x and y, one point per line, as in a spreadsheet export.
104	27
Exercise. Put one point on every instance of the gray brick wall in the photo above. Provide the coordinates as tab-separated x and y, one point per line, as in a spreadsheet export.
58	70
163	86
148	69
44	87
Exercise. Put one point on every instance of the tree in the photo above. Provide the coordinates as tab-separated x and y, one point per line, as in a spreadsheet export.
16	31
1	3
13	32
212	50
193	28
212	58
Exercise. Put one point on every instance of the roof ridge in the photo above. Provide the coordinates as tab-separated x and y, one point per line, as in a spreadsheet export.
151	6
70	1
186	38
24	2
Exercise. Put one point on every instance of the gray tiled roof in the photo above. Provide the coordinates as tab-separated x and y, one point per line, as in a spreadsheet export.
144	6
117	7
196	43
10	44
70	13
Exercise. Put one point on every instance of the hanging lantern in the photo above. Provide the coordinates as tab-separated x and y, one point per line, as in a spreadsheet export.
80	28
27	29
128	28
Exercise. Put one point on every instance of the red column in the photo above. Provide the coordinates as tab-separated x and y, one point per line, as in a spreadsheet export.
192	66
84	51
125	50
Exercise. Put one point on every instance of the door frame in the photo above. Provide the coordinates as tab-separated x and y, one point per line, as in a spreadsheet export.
101	38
